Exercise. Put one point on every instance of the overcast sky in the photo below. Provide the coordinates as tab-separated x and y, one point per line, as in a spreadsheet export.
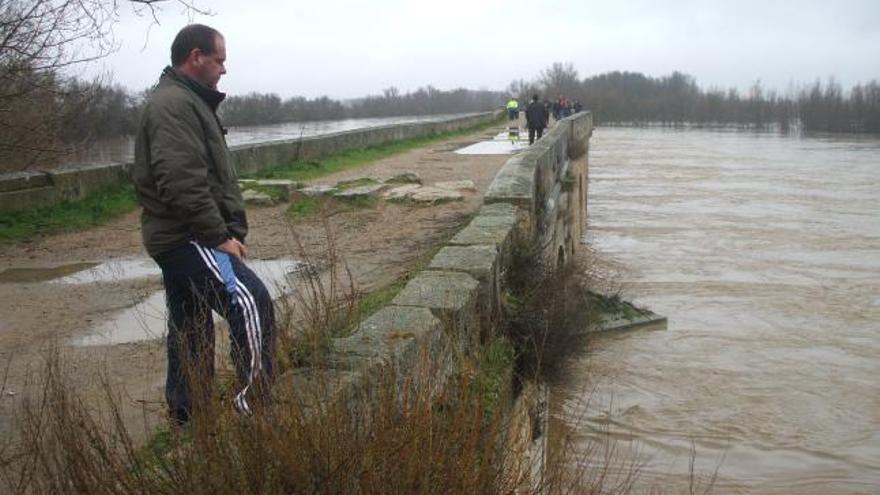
349	48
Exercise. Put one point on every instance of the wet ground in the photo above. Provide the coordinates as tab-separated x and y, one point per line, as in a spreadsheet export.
96	287
764	253
504	143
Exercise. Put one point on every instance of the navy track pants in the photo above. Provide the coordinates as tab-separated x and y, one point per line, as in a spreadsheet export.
197	280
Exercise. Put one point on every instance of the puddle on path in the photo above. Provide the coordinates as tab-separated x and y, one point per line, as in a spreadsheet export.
115	270
499	145
146	319
41	274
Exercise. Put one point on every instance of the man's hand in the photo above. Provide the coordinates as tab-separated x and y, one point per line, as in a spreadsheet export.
233	247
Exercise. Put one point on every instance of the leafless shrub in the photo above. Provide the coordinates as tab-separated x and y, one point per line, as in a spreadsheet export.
549	331
324	304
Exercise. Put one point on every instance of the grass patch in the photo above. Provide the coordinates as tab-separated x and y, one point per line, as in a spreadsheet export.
374	301
613	307
275	193
96	209
310	207
299	170
351	184
357	203
304	207
492	381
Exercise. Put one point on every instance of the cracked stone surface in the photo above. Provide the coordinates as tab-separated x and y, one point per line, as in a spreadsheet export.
432	195
457	185
407	177
401	193
318	190
478	261
370	191
257	198
441	291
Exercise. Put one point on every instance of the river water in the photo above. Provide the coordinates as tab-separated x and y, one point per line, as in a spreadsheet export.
122	149
764	253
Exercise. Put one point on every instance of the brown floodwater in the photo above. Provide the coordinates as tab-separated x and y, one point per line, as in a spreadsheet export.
763	251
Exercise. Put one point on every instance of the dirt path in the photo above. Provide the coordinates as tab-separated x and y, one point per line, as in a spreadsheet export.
378	244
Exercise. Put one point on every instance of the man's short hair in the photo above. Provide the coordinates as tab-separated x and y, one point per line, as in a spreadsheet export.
193	36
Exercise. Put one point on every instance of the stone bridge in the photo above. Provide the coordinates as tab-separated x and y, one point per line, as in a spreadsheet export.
538	197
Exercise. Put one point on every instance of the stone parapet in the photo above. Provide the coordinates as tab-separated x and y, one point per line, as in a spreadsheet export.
537	198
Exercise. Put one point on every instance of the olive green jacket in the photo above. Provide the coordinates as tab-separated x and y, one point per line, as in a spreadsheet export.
183	172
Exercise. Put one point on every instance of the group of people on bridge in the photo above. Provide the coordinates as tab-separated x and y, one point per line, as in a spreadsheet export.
538	113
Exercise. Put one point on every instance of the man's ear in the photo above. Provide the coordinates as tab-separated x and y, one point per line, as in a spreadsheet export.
193	56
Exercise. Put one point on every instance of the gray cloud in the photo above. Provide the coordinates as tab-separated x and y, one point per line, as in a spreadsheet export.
350	48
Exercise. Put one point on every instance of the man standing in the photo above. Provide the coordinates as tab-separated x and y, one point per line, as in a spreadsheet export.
512	109
194	225
536	118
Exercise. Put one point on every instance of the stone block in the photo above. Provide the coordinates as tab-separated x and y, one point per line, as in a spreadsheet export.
361	192
434	195
515	182
492	226
483	263
401	193
257	198
77	183
317	190
457	185
409	339
478	261
280	186
407	177
316	389
23	180
23	199
450	296
498	209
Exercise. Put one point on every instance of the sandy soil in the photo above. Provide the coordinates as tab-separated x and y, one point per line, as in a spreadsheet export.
378	244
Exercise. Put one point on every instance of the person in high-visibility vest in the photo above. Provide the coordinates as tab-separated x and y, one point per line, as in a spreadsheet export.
512	109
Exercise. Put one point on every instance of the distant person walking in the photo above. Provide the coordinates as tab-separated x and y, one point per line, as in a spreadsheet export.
536	118
194	225
512	109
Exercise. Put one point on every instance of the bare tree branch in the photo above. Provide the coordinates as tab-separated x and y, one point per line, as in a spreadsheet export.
40	42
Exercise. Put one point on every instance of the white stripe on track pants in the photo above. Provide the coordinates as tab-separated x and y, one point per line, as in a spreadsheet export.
198	279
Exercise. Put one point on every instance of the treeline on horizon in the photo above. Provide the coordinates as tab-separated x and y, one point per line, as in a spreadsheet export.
269	108
632	97
58	115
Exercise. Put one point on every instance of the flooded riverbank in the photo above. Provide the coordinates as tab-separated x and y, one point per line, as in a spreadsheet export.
764	253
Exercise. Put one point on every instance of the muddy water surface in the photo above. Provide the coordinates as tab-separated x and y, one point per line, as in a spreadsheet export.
764	252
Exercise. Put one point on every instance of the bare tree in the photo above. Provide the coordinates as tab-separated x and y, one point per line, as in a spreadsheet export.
523	90
560	79
41	41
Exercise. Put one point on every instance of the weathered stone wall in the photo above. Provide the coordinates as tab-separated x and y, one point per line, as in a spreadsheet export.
251	158
548	184
26	190
539	196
